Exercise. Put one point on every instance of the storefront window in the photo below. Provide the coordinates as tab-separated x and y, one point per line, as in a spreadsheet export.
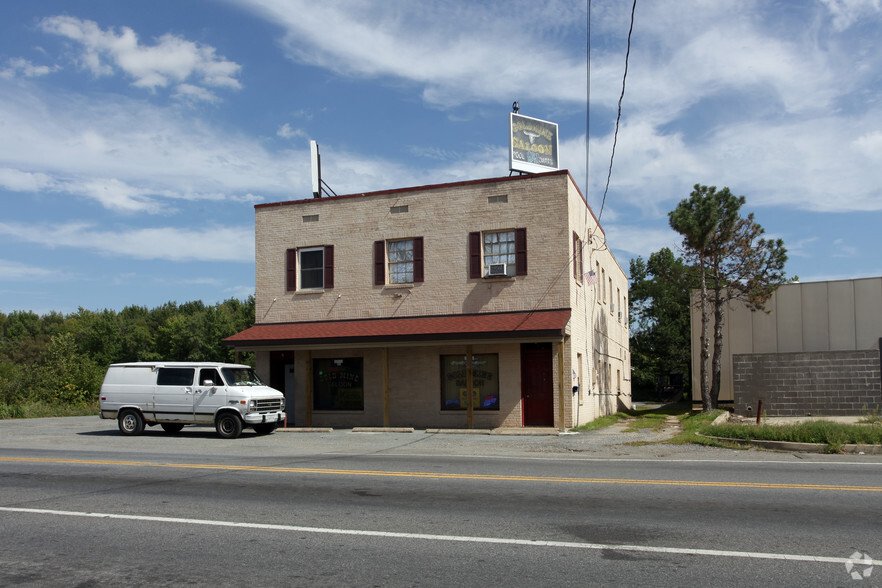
338	384
485	382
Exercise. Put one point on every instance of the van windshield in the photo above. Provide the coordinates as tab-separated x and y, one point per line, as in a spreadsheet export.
241	377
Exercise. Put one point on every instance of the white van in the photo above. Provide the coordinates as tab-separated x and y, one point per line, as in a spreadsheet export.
174	394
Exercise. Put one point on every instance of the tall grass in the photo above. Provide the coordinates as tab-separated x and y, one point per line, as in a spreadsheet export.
36	410
808	432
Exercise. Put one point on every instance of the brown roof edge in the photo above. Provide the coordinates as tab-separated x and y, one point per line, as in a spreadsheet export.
540	323
441	337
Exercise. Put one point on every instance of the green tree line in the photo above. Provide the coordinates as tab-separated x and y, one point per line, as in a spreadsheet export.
57	359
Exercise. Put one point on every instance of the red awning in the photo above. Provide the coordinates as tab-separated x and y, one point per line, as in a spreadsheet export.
540	323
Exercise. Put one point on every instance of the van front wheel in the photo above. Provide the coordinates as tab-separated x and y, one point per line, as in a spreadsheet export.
265	429
228	425
131	422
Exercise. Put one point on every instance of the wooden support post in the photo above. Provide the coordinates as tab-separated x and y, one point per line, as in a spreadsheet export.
561	408
386	419
470	385
309	390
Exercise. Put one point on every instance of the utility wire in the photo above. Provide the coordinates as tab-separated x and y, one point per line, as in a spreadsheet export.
588	104
619	115
612	156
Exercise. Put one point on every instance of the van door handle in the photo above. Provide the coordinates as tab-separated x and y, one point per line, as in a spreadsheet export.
187	391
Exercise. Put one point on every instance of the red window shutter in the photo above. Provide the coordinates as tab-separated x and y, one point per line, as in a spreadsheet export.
379	263
417	259
475	263
520	252
329	266
291	270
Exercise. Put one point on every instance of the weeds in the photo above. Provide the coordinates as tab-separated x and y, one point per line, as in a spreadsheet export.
36	410
834	435
602	422
871	416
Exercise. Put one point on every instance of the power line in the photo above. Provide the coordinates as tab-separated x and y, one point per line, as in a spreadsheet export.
588	104
619	115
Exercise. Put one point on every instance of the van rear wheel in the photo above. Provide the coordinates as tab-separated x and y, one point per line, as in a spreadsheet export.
131	422
228	425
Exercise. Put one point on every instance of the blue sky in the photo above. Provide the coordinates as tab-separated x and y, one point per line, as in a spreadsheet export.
136	137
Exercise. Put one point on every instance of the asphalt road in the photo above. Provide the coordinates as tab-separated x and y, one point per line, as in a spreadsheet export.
82	505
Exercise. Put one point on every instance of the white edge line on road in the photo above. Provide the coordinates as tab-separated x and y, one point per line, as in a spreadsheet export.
428	537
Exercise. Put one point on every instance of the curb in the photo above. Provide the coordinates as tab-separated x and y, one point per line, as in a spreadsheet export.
526	432
459	431
506	431
801	447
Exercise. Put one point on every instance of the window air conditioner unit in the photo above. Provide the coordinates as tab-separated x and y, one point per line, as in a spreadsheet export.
612	307
496	269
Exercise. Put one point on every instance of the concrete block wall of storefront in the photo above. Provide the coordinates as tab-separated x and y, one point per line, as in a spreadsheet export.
822	383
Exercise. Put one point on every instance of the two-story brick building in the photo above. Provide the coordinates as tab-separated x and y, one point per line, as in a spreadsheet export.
487	303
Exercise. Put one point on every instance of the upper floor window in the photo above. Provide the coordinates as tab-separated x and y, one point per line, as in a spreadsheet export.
401	261
577	258
309	268
498	253
312	268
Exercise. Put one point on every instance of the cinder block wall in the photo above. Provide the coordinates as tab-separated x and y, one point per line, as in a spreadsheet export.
822	383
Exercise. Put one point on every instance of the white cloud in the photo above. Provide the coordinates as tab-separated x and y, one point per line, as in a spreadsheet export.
112	194
15	271
847	12
21	181
286	132
798	248
638	240
870	146
170	61
18	66
192	93
197	243
133	157
458	52
842	249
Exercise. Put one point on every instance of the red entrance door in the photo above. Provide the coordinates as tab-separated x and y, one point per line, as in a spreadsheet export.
537	385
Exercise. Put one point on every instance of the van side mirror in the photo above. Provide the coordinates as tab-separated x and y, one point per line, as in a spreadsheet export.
209	383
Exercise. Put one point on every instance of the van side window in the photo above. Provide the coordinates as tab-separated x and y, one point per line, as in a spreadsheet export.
175	377
209	374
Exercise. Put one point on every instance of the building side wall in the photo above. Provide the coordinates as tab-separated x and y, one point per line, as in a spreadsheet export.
820	383
598	354
818	317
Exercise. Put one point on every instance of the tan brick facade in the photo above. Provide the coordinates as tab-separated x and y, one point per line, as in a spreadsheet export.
548	207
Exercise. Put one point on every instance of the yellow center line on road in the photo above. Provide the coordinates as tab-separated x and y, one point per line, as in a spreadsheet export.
446	476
